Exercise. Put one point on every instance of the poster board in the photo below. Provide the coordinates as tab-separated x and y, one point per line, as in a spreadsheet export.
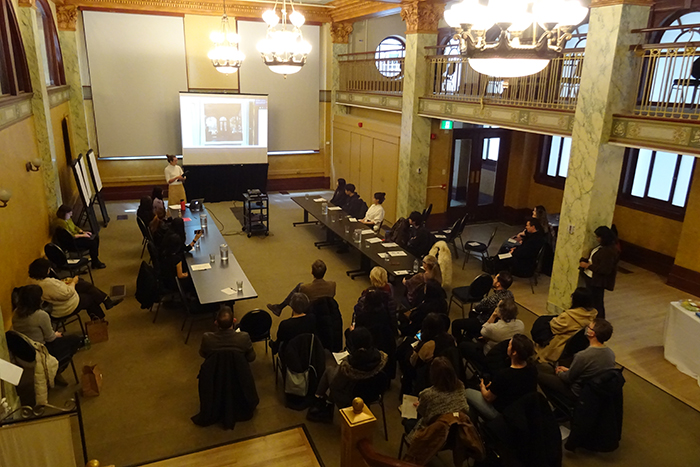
92	163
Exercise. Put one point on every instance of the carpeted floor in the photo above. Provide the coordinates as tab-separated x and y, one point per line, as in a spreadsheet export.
150	386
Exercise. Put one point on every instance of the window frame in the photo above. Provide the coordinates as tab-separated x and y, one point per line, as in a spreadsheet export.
379	55
647	204
54	54
541	176
16	70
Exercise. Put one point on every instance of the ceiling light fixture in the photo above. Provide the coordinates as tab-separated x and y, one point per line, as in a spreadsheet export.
225	55
509	38
284	49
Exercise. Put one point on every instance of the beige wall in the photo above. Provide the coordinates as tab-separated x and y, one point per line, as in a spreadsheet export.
24	223
200	72
688	253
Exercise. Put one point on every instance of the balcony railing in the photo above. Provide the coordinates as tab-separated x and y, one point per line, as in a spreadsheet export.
669	77
372	72
555	87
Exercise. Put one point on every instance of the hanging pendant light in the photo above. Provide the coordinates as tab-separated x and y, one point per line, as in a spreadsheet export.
225	55
284	49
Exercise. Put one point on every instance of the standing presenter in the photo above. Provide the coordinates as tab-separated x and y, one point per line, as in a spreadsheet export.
174	175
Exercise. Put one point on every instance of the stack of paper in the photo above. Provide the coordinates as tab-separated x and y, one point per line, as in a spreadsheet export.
340	356
200	267
374	240
397	253
367	232
352	219
505	256
335	208
407	408
320	200
389	245
383	255
402	272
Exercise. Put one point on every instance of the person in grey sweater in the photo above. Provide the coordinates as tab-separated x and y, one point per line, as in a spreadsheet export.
586	364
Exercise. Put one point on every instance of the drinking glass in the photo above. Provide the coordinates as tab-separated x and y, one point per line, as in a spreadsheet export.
223	250
212	258
239	286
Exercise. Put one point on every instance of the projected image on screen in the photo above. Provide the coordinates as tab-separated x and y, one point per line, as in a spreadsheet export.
223	129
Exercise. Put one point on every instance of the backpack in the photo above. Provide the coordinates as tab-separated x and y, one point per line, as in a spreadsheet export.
399	232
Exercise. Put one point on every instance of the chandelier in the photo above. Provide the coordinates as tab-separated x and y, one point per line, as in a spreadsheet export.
283	49
225	55
509	38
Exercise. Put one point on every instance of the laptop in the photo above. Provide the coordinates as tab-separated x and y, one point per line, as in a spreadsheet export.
196	204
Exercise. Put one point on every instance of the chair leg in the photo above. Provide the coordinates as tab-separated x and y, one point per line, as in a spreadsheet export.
90	272
80	322
386	432
267	339
143	249
403	441
466	258
189	331
454	244
182	328
155	317
75	373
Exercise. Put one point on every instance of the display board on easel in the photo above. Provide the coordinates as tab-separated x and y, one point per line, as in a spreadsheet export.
86	193
97	185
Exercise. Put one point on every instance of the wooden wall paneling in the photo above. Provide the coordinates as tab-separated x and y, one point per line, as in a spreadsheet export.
364	182
355	157
385	172
341	153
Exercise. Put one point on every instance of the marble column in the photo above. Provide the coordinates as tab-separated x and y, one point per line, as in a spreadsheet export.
8	390
31	37
340	35
67	17
609	70
421	18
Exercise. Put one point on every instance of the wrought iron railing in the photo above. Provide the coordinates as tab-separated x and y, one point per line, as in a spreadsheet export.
555	87
669	77
372	72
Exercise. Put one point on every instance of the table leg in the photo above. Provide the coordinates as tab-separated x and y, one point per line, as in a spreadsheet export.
365	266
306	220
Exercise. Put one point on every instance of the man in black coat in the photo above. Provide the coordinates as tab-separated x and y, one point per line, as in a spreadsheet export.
421	239
226	337
353	203
525	256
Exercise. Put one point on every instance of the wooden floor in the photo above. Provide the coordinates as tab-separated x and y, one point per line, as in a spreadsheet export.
288	448
637	309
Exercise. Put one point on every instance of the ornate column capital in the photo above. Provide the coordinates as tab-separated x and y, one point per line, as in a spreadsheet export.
421	16
340	32
26	3
67	15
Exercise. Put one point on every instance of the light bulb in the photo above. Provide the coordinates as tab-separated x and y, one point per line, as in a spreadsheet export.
216	36
271	18
297	19
452	18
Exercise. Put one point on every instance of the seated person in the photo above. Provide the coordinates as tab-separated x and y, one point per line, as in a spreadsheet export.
29	319
299	323
226	337
317	288
470	328
446	395
416	283
70	295
354	204
421	240
159	226
379	281
507	385
501	326
363	362
565	325
83	240
524	258
172	252
374	312
145	210
157	197
375	214
434	301
587	363
339	197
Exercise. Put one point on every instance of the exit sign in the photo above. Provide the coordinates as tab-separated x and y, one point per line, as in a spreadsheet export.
446	124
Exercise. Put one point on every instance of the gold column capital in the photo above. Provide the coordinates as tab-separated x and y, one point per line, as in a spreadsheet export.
421	16
67	16
340	32
26	3
602	3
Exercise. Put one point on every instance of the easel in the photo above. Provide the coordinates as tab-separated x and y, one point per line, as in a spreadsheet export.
97	184
86	194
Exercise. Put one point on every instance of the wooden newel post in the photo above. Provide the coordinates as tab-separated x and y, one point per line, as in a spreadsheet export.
357	423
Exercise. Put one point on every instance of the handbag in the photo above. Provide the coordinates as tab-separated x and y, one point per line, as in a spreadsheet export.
297	384
97	331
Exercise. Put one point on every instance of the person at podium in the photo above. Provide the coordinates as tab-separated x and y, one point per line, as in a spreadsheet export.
174	175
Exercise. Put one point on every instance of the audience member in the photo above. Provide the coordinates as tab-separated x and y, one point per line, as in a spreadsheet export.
157	196
379	281
174	176
226	337
71	295
600	268
415	285
299	323
29	319
420	239
317	288
375	214
434	301
470	328
507	385
145	211
339	197
83	240
524	258
172	251
446	395
159	226
587	363
540	214
565	325
354	204
374	313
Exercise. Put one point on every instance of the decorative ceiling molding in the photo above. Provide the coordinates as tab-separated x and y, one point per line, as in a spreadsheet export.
67	16
421	16
340	32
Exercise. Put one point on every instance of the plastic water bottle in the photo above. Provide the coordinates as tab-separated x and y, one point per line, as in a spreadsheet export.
416	266
324	209
86	343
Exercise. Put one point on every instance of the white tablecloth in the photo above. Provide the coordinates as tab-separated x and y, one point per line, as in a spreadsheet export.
682	340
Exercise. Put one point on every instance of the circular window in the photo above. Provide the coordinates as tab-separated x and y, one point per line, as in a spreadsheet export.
389	56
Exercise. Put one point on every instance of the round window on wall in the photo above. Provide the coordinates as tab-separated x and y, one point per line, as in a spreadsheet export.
389	56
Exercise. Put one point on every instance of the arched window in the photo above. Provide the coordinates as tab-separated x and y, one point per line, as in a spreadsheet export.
14	73
51	50
388	56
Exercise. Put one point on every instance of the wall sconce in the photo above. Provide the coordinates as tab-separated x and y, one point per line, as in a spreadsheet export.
33	165
5	196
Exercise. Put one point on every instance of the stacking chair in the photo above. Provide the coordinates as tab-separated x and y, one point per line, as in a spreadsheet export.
472	293
450	235
60	261
534	275
145	232
478	247
257	324
372	390
426	213
66	241
193	310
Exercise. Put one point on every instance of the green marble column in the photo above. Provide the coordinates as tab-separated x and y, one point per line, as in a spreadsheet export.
338	49
26	16
78	125
607	87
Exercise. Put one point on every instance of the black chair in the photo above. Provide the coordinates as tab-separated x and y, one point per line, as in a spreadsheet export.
257	324
145	233
478	247
60	323
691	82
535	274
451	234
372	390
67	242
60	261
24	355
472	293
574	345
426	213
193	310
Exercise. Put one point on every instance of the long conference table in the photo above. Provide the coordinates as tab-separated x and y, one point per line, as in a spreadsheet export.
216	284
397	261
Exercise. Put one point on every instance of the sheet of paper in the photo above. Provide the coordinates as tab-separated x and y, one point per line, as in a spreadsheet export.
335	208
440	236
186	219
383	255
473	243
402	272
512	240
352	219
10	372
320	200
174	207
408	410
397	253
228	291
340	356
505	256
374	240
367	232
73	261
200	267
389	245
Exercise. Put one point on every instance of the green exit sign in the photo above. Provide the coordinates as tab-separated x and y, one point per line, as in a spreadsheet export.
446	124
